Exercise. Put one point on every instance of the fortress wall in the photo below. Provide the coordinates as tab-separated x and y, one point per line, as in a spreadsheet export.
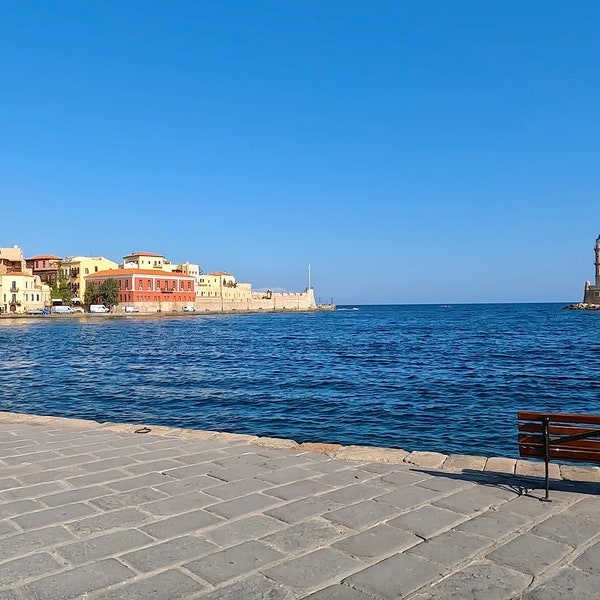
257	302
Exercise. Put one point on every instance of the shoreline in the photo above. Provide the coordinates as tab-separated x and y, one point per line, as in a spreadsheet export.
352	453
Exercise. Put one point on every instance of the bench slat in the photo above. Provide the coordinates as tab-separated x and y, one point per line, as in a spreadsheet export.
538	440
559	417
560	453
555	429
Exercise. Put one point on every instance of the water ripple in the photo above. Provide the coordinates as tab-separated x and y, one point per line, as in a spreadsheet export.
447	379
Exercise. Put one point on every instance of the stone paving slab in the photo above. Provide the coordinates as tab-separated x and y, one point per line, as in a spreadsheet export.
98	511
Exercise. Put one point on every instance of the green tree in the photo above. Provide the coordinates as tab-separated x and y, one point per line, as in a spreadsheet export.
109	292
92	293
106	293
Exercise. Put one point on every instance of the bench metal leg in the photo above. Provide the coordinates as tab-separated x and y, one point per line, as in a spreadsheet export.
546	421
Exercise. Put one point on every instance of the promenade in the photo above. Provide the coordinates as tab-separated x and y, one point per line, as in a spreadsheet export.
104	512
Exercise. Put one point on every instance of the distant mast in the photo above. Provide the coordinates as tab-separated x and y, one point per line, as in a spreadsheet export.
309	274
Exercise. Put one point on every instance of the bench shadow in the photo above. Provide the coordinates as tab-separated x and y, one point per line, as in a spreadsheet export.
522	485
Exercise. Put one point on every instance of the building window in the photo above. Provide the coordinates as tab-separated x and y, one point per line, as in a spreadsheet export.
141	285
149	284
87	271
189	286
95	269
158	284
127	284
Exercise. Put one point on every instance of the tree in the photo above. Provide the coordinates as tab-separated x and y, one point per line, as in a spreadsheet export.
106	293
92	293
109	292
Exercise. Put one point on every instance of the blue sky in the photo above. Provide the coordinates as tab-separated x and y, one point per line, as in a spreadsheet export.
411	152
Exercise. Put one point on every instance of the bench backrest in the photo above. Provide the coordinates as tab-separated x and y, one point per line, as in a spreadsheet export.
562	427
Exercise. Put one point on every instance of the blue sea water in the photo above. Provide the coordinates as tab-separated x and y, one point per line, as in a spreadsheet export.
424	377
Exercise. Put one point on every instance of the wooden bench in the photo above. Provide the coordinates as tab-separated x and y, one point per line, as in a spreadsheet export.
569	437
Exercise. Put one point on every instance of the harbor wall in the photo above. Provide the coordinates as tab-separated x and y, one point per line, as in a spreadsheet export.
258	301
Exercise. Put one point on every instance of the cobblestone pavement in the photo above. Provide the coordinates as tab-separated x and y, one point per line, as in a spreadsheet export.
102	512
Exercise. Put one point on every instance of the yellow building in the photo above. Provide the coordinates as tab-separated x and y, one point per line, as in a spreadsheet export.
20	289
149	260
143	260
75	268
21	292
222	285
187	268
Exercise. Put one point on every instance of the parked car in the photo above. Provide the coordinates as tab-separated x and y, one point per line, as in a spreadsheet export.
38	311
131	309
62	310
99	308
189	309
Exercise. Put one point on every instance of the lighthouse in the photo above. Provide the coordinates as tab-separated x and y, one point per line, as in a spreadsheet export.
597	262
591	294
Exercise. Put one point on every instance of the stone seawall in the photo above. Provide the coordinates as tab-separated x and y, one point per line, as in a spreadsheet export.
257	302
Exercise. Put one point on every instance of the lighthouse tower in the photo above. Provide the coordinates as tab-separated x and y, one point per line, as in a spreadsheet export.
597	262
592	292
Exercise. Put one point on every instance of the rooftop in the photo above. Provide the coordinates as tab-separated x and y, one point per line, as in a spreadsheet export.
128	272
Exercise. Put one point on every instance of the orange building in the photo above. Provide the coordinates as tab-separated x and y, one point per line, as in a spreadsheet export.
149	286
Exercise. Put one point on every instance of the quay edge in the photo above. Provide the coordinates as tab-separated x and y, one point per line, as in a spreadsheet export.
352	453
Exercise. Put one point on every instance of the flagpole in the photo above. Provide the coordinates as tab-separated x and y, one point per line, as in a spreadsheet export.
309	276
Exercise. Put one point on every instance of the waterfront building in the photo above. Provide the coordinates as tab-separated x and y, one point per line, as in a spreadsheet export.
222	285
20	289
47	266
149	260
12	261
150	290
74	270
186	268
143	260
21	292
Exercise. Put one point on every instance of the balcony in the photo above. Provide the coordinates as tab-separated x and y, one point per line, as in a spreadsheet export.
15	303
14	289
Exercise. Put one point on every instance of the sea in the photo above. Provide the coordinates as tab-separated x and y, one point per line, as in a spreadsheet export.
446	378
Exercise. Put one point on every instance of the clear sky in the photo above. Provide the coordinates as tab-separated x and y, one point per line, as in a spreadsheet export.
410	151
